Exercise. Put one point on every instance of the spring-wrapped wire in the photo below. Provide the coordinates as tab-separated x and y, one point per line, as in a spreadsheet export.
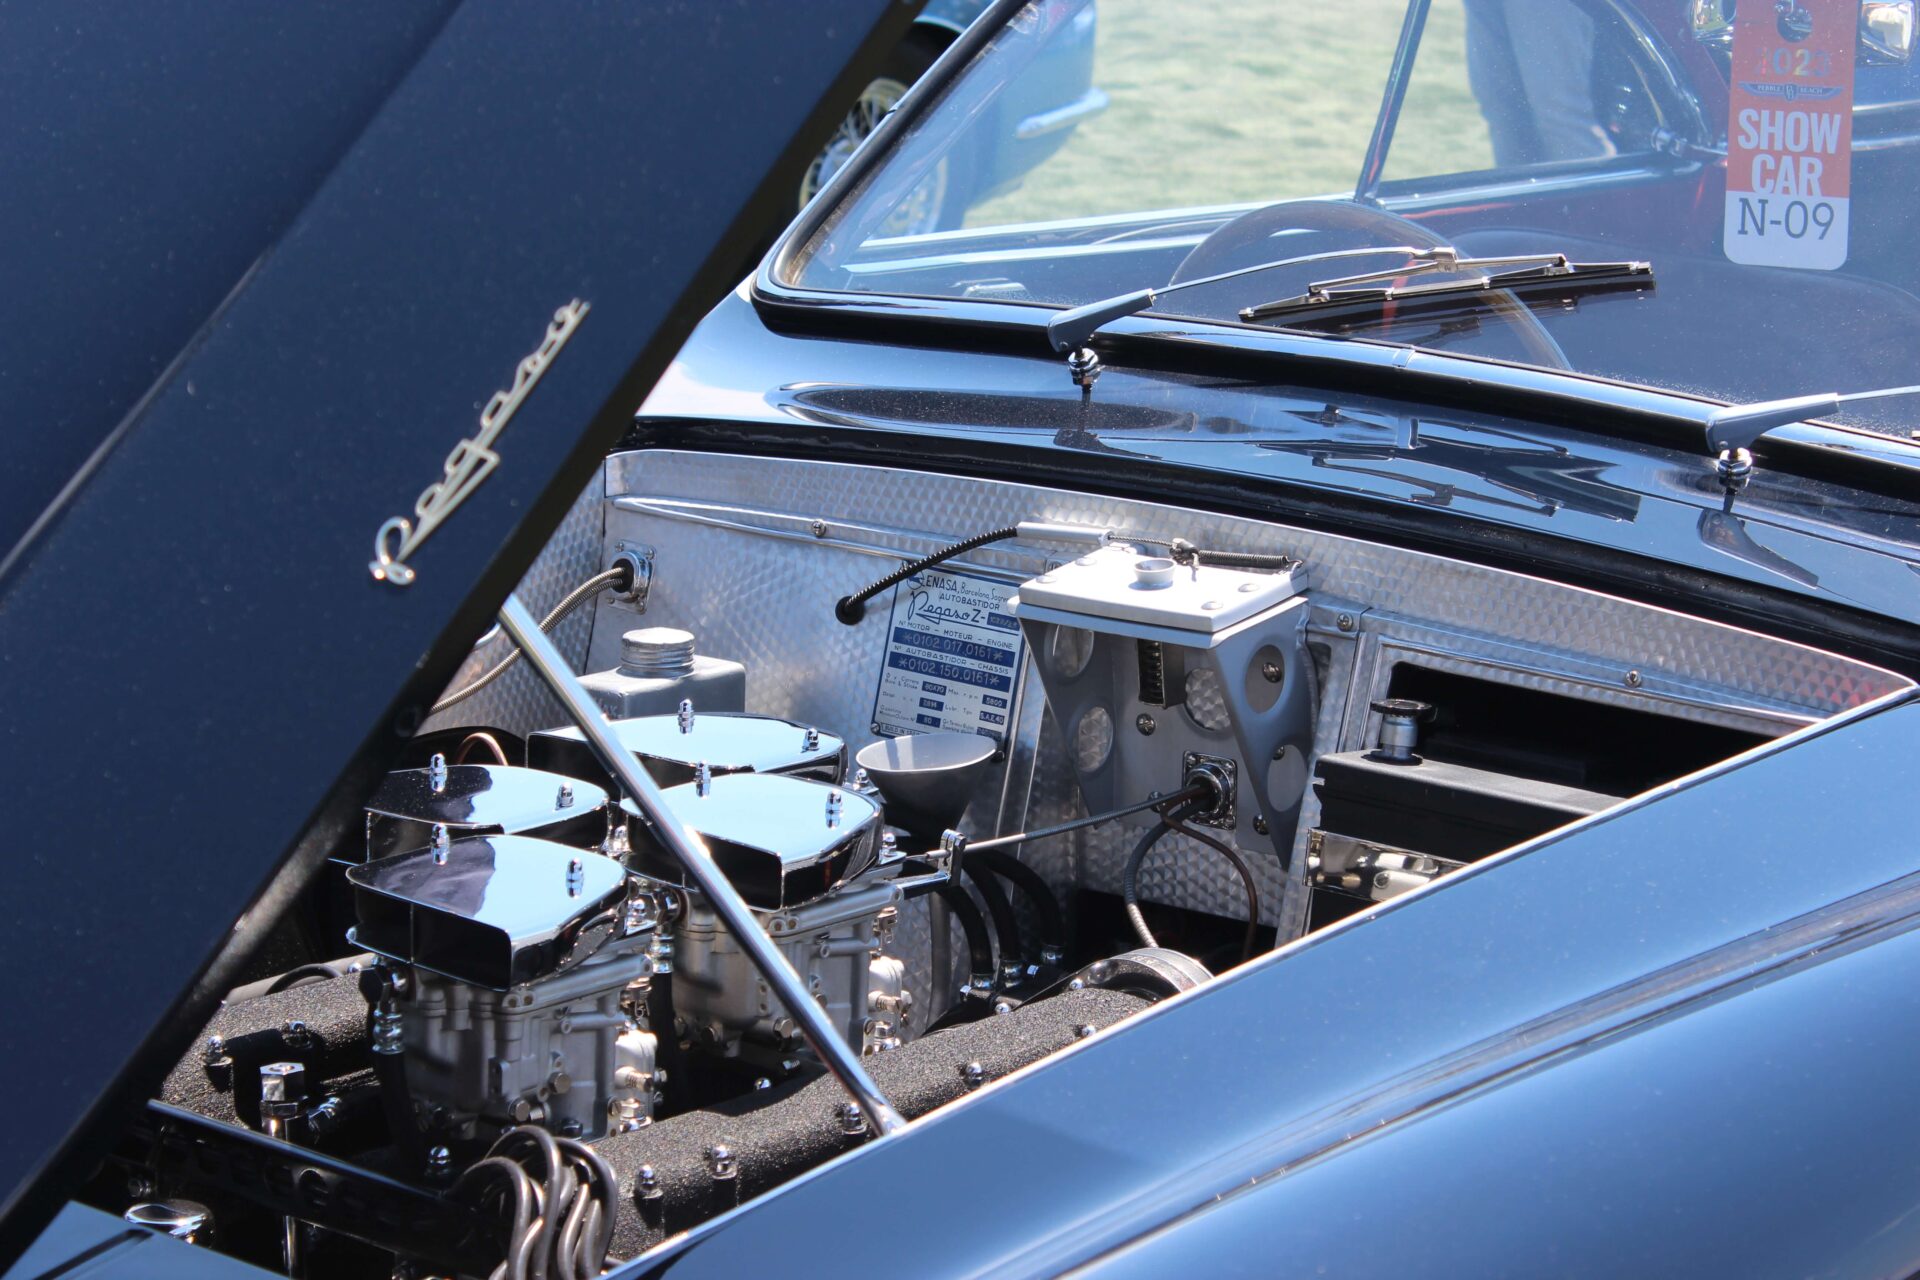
558	1205
1240	867
586	591
1130	879
851	609
1174	820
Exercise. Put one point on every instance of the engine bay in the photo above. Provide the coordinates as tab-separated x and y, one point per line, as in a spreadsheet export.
993	767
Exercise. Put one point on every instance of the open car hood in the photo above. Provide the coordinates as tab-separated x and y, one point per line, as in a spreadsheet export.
496	200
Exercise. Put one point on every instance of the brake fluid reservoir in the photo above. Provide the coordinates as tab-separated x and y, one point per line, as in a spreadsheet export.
658	668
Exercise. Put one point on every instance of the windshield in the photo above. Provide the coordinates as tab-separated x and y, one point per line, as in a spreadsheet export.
1091	150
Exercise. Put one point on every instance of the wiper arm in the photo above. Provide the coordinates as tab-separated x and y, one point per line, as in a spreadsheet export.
1734	429
1524	271
1069	330
1740	426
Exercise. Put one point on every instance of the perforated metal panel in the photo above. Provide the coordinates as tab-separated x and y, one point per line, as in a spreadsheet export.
751	553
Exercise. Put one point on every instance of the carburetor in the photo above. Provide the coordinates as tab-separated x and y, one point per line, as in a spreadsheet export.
506	993
800	852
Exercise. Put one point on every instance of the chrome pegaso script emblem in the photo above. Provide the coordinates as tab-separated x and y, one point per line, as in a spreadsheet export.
470	460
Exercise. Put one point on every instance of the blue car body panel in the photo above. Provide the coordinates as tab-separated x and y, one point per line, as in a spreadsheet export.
1631	953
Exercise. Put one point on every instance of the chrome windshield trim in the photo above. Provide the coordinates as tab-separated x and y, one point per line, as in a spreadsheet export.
983	257
1295	349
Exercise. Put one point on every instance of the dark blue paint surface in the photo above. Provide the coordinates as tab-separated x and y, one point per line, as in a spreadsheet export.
152	155
1643	928
194	644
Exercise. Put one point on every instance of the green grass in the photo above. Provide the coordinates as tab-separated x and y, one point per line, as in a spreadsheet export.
1250	100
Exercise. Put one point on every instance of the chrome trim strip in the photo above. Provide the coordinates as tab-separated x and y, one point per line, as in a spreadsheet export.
1090	103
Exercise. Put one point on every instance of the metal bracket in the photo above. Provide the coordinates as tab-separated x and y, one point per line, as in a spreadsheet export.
1368	869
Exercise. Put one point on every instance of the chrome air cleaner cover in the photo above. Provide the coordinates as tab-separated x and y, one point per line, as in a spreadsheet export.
673	747
782	841
478	800
493	911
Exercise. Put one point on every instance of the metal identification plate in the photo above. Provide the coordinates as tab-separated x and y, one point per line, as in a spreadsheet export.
1790	133
954	657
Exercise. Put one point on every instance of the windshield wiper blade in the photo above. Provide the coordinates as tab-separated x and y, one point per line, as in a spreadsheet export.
1070	329
1524	272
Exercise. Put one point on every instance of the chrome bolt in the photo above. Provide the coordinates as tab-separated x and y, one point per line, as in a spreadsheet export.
1260	825
437	773
686	715
1345	622
646	1181
851	1120
1634	680
835	802
702	777
1145	724
973	1075
761	1082
720	1163
576	877
439	1160
1381	880
1084	1030
1210	605
295	1034
1083	366
1001	1006
442	844
810	741
1078	984
818	527
1271	672
216	1050
282	1086
565	799
1248	588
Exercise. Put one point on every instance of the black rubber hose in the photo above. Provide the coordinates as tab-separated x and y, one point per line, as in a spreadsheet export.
1053	932
304	973
390	1071
1240	866
666	1037
1022	837
1130	878
851	609
974	925
1006	925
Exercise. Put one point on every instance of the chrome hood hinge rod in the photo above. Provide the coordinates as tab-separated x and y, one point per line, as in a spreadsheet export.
691	849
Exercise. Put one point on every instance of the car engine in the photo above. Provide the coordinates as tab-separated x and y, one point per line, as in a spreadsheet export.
996	802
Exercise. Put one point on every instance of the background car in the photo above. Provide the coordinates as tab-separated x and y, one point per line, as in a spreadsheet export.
1024	129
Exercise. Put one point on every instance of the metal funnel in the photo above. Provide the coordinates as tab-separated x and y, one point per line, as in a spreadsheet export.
926	779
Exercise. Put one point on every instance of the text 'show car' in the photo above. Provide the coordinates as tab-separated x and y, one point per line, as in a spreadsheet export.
1315	675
